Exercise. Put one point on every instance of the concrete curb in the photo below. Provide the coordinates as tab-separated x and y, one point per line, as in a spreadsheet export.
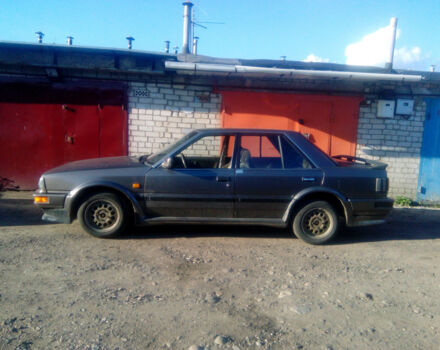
16	195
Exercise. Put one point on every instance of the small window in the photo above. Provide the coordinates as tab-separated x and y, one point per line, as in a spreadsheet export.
293	159
209	152
259	152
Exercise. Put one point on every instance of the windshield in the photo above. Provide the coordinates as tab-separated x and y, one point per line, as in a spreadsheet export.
157	156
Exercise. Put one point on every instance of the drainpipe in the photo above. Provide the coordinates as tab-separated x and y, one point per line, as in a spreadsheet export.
389	61
187	5
286	73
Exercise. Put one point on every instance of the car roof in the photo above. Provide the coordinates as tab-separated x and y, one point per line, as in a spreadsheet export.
243	131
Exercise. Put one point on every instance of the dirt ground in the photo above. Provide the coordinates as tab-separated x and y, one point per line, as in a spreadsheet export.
212	287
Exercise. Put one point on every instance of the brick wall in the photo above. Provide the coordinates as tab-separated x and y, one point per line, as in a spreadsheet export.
162	113
396	141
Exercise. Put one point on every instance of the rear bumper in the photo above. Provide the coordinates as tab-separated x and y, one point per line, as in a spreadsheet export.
369	211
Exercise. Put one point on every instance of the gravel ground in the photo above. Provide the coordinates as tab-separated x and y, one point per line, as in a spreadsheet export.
209	287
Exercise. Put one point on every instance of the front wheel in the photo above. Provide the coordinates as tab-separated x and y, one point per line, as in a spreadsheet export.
316	223
103	215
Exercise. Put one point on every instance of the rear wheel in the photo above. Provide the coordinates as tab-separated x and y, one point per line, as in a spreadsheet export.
316	222
103	215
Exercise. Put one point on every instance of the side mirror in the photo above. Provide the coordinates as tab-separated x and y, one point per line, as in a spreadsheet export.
167	163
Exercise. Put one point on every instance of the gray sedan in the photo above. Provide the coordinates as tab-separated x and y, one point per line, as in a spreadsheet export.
221	176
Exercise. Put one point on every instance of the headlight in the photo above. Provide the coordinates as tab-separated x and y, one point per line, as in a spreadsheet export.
42	185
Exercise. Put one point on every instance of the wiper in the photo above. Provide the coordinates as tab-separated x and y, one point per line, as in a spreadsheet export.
144	157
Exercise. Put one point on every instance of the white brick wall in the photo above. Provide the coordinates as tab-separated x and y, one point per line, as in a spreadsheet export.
162	113
396	141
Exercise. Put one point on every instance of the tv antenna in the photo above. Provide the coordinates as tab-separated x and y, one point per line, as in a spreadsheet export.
199	24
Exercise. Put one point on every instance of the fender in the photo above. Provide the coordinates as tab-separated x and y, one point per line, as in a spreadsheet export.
318	189
77	191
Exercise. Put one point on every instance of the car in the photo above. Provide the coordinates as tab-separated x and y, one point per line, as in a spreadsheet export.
221	176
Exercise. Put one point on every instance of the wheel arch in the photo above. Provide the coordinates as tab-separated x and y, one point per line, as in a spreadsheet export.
80	193
338	201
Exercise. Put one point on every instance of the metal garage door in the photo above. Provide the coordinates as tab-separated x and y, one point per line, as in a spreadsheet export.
330	122
35	137
429	184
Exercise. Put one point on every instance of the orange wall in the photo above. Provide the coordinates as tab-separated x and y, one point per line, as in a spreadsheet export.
331	121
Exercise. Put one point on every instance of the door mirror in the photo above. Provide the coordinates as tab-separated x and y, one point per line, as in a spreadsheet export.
167	163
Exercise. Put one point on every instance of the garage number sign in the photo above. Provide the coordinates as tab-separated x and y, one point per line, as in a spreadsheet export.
141	93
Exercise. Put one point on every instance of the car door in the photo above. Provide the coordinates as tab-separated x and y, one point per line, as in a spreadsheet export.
199	184
270	171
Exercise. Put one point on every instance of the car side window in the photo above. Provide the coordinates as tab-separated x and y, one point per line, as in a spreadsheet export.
209	152
259	152
292	158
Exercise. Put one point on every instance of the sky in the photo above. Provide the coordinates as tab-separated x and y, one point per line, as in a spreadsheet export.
340	31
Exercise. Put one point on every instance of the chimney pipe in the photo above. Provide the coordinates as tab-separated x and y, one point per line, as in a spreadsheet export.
432	68
40	37
130	40
389	61
70	40
186	26
195	42
167	46
176	49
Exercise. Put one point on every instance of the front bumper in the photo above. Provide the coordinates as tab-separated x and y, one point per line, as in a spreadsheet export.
54	210
369	211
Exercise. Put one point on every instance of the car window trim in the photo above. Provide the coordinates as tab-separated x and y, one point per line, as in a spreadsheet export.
300	151
238	139
194	140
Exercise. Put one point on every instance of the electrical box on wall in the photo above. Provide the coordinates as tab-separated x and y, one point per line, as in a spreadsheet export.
385	108
404	106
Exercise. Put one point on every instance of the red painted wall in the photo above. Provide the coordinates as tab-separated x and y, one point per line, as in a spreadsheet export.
37	137
331	121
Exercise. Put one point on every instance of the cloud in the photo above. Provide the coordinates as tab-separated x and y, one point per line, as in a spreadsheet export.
313	58
406	55
373	48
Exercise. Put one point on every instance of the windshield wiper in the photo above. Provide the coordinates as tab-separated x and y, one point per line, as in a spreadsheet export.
143	158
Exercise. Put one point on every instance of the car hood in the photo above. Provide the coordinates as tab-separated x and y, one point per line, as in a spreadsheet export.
98	163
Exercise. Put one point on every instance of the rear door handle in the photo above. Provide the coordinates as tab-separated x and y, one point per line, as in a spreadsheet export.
223	178
309	179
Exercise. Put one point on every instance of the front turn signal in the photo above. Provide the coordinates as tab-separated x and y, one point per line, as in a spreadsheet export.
41	199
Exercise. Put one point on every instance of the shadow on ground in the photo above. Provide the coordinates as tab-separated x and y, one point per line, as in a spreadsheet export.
403	224
19	212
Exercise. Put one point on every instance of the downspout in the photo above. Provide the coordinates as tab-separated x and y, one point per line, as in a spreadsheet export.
229	68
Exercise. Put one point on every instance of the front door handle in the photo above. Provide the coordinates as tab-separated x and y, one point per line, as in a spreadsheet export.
223	178
309	179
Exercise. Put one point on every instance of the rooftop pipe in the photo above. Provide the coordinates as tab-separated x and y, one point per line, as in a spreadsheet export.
40	37
187	5
389	61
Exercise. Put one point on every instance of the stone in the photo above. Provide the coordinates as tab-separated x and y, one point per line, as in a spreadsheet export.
195	347
367	296
300	309
284	293
221	340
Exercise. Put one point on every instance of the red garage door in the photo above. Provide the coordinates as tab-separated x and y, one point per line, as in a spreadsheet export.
37	137
330	122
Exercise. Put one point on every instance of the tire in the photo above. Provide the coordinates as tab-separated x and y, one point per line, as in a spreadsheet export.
316	223
103	215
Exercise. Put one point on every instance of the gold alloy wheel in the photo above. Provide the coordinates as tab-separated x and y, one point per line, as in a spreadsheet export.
316	222
101	215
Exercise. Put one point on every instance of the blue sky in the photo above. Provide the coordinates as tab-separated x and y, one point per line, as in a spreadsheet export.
251	29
